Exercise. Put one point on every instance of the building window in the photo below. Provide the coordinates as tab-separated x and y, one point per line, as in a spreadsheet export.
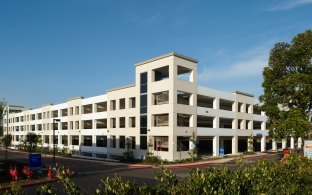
113	143
64	140
113	123
122	122
183	120
122	103
143	82
161	120
33	117
101	123
54	113
87	109
161	143
39	127
71	113
132	142
122	141
143	142
77	110
101	141
204	121
55	139
132	102
161	73
183	143
64	125
75	140
143	124
248	108
183	98
64	112
87	124
143	104
71	125
113	105
101	107
226	105
87	140
39	116
132	122
77	124
184	74
46	139
205	101
48	114
17	138
33	127
161	98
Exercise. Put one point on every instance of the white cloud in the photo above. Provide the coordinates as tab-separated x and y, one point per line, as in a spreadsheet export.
248	64
289	4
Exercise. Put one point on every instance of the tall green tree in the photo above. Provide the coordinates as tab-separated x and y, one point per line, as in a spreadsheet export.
287	97
2	112
7	140
31	141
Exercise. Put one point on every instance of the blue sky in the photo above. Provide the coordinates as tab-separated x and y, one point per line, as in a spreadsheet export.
54	50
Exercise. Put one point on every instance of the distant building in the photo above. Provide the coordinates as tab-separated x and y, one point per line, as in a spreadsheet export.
164	112
11	109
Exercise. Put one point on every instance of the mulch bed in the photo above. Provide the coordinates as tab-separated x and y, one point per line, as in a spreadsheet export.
5	178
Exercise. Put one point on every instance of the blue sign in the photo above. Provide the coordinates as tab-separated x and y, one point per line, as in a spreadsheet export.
221	151
35	160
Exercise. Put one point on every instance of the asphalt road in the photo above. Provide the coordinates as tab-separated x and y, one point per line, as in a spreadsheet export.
88	173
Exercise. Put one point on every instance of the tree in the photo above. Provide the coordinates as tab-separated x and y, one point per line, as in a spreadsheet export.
31	141
2	112
7	140
287	97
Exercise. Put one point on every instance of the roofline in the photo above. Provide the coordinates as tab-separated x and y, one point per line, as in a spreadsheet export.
165	56
243	93
75	98
119	88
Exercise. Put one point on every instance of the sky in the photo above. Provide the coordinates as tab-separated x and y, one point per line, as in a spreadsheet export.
53	50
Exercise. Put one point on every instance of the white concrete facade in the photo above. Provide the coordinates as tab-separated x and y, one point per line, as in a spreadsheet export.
158	114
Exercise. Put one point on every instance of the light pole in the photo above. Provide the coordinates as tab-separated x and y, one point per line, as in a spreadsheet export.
54	122
7	120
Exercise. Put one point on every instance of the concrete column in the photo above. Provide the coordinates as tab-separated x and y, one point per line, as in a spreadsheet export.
284	143
234	144
299	142
215	145
274	145
263	144
292	143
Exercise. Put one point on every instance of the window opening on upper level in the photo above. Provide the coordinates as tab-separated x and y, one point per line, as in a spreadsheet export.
161	98
184	74
183	120
161	73
226	105
87	109
204	121
161	120
183	98
101	107
64	112
205	101
257	110
122	103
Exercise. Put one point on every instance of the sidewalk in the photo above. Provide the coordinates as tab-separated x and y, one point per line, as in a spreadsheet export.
212	160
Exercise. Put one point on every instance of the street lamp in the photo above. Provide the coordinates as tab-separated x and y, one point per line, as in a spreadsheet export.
54	122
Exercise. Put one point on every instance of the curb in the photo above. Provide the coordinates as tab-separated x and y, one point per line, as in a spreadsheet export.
193	165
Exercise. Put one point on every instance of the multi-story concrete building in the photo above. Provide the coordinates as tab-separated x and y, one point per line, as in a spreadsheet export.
164	112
